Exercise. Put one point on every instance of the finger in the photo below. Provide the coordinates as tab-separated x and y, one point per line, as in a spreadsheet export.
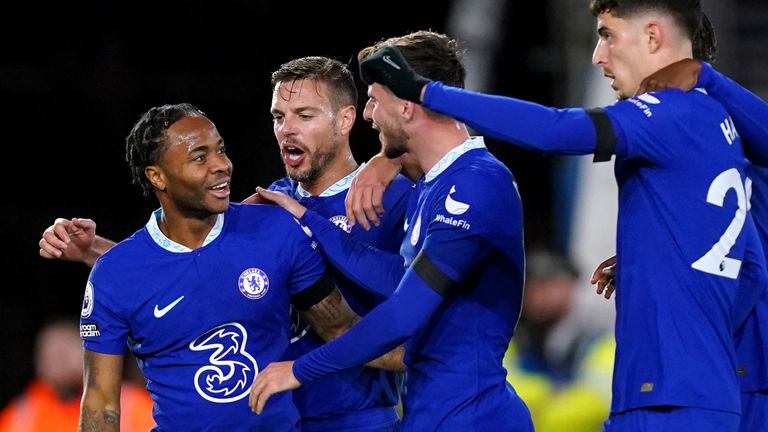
357	211
609	291
351	220
254	198
58	233
84	224
262	400
267	196
377	196
600	287
368	208
595	278
48	251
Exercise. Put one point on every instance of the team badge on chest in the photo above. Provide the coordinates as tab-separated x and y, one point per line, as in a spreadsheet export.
253	283
342	222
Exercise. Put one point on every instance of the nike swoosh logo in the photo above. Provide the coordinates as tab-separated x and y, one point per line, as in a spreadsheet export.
388	60
159	313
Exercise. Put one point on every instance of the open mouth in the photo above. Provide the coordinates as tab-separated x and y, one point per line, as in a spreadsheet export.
293	155
221	189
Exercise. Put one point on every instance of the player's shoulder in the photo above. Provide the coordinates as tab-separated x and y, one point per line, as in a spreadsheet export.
136	245
285	185
481	167
261	218
670	104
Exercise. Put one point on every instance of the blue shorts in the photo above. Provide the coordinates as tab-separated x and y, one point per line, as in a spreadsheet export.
672	419
754	411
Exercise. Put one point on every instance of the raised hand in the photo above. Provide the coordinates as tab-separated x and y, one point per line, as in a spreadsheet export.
275	378
388	67
363	203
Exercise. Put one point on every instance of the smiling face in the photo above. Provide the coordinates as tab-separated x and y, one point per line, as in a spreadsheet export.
622	52
193	174
306	127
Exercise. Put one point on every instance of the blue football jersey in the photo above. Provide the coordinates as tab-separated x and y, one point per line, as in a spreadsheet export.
361	396
466	216
683	205
204	322
457	303
680	169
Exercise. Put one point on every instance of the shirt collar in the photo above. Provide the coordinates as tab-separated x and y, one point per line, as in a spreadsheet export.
340	186
447	160
171	246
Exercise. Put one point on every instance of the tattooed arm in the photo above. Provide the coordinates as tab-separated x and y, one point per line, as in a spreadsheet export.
100	407
332	316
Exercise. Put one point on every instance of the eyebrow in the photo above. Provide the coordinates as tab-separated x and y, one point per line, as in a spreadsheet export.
203	147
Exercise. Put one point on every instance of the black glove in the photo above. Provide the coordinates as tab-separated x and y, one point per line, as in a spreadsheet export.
388	67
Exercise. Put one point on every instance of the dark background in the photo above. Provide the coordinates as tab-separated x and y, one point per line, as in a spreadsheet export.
74	79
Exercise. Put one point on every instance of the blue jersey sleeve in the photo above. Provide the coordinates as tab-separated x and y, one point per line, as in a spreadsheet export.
308	266
749	112
384	328
354	258
525	124
102	327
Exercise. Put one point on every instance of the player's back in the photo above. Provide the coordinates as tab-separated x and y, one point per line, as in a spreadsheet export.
682	206
203	322
468	219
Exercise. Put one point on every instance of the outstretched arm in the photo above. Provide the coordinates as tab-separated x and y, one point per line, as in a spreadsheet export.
100	407
332	317
73	240
349	255
525	124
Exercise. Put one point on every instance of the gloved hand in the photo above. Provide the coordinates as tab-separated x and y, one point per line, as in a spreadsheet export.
388	67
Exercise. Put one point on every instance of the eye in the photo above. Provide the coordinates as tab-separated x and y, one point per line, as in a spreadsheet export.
223	150
306	116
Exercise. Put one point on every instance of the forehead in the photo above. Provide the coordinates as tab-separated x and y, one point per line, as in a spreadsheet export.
301	93
192	129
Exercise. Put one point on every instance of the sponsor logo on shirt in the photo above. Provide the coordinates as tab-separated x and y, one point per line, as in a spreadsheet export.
461	223
253	283
230	369
455	207
89	330
87	309
642	106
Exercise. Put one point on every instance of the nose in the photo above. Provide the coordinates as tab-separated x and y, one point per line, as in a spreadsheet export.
221	163
598	55
368	110
284	127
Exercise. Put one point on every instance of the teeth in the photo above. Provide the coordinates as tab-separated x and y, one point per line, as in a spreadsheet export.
219	187
294	157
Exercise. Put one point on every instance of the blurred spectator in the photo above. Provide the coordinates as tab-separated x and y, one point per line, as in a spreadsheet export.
559	364
51	401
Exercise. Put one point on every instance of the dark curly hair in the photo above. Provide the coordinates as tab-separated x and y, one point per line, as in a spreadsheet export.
147	141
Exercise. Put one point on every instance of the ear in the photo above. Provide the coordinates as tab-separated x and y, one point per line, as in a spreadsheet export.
408	109
346	118
155	176
654	35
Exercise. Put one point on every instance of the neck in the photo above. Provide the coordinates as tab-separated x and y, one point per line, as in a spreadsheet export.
334	171
432	141
189	231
